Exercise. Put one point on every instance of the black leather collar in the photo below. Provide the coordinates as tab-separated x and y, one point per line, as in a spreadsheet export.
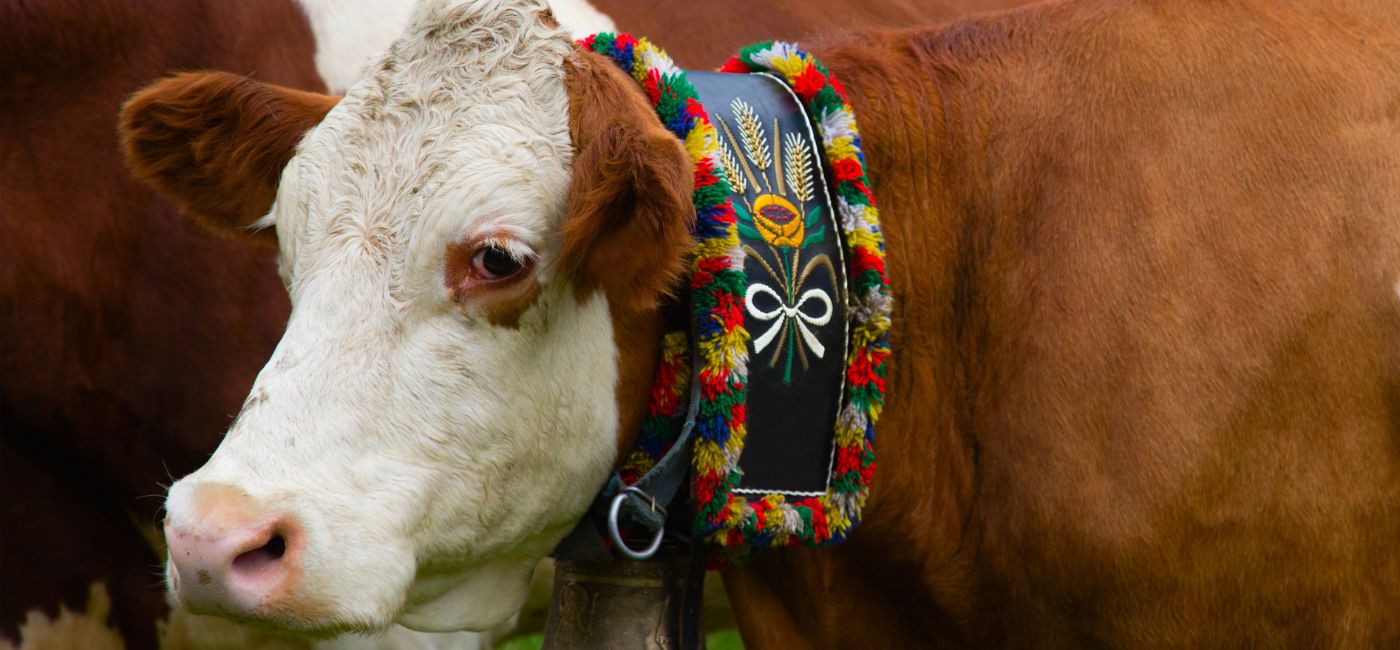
796	275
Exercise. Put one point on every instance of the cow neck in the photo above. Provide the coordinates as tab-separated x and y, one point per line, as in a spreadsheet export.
782	249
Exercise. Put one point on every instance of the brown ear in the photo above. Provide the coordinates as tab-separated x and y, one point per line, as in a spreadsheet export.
216	143
630	210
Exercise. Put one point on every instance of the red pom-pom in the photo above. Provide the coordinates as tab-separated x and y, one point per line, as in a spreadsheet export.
847	460
847	169
865	259
653	86
693	107
735	65
705	175
819	528
730	311
836	85
809	83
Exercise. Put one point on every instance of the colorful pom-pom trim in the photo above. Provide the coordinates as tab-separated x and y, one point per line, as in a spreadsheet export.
717	283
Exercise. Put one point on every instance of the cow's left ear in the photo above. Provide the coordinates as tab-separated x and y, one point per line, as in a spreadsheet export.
629	211
216	143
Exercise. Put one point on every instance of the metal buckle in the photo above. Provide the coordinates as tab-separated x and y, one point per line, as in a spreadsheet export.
617	535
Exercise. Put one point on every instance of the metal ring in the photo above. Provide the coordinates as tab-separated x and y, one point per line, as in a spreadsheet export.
617	535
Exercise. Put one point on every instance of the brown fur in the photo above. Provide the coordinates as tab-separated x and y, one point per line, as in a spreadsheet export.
506	310
1146	378
128	336
704	36
629	210
216	143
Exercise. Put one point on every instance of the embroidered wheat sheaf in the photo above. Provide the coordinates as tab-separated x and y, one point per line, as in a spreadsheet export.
799	166
731	167
751	133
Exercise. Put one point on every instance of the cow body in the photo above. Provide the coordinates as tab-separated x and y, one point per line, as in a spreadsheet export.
1146	340
1146	343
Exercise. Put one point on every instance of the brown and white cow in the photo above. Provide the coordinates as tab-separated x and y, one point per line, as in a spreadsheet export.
128	337
1146	369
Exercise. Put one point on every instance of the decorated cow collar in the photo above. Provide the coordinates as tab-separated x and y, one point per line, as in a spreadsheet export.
789	309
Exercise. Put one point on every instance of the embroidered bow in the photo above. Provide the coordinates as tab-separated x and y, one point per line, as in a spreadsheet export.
794	314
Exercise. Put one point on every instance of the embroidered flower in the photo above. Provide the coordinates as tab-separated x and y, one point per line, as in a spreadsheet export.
777	221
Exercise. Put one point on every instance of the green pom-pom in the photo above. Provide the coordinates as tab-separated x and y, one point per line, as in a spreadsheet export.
746	54
603	42
710	195
852	195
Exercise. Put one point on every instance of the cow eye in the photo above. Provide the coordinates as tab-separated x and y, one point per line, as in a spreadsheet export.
493	263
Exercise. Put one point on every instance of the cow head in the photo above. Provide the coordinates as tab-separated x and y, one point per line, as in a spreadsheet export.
475	240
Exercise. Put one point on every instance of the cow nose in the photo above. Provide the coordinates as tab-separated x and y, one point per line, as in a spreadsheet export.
227	557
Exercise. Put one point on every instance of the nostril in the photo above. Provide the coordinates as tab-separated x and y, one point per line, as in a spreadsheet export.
261	557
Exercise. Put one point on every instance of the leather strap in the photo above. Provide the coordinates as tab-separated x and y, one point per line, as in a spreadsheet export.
589	539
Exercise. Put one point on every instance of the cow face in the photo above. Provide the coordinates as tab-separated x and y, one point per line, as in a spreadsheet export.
474	240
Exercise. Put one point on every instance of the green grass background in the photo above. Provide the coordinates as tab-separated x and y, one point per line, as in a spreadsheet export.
719	640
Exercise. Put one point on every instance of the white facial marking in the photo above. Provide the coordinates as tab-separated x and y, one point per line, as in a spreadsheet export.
351	34
429	457
581	18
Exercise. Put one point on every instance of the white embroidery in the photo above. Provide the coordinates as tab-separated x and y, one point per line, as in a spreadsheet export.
790	314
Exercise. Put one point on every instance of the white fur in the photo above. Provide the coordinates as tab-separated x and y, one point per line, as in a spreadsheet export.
183	630
431	458
581	18
351	34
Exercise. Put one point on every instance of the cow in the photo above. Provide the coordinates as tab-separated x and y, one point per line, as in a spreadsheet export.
128	337
1145	383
